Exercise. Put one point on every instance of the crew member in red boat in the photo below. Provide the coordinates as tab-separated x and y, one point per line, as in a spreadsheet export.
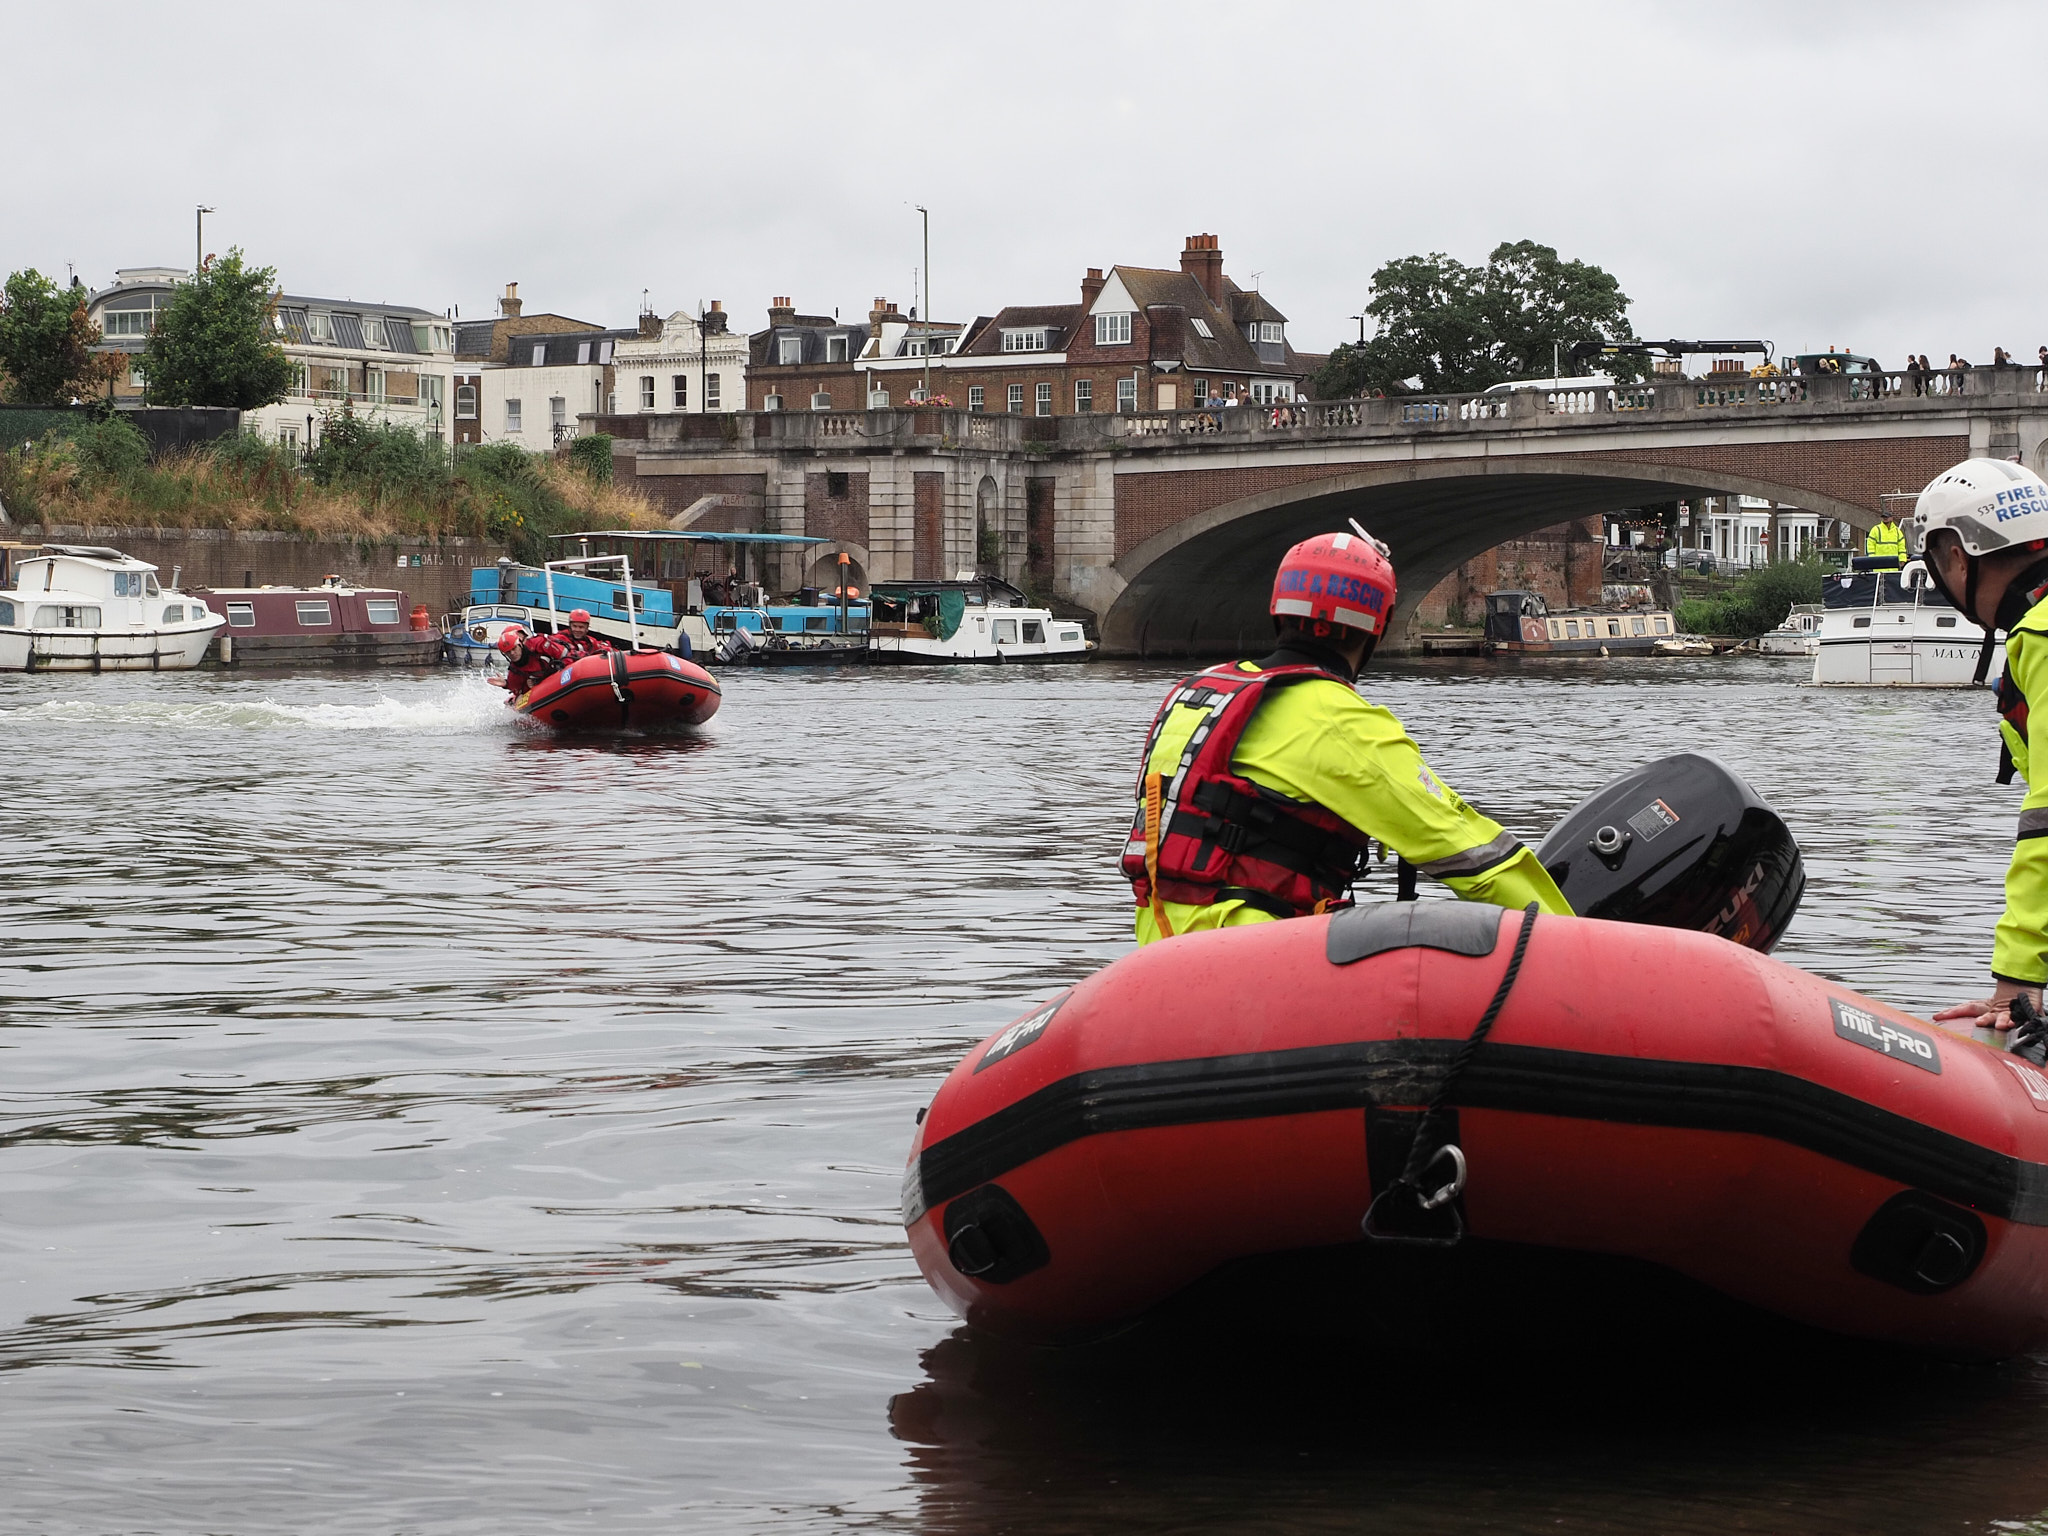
579	642
529	658
1264	783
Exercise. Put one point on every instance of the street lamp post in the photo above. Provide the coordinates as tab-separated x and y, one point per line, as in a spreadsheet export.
928	333
199	239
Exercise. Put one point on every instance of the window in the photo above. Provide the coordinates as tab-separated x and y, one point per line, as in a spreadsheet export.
1084	396
1016	399
127	583
175	614
837	483
1664	626
373	383
430	392
1198	391
582	352
611	402
789	350
1862	623
314	611
835	349
604	352
646	391
1127	394
48	617
540	354
1005	632
771	402
320	325
135	378
125	322
710	391
1269	330
512	416
6	612
822	400
816	623
381	610
1202	328
1571	629
1031	340
679	391
1044	400
241	615
558	413
465	402
1264	391
1112	330
1034	632
1636	627
288	437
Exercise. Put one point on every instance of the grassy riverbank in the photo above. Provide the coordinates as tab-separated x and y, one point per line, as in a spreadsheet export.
365	481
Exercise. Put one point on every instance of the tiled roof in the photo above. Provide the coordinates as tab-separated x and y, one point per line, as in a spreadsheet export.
564	350
1223	350
1058	320
1251	306
764	352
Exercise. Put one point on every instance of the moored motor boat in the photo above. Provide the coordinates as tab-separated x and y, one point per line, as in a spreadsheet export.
1647	1096
618	690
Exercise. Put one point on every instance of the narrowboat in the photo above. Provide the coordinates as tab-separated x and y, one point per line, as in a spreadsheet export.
89	608
1521	623
1884	627
334	624
969	619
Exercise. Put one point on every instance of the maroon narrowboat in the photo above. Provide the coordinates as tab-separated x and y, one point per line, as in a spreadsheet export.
333	624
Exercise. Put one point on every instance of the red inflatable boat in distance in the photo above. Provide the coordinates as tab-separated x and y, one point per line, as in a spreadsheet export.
619	690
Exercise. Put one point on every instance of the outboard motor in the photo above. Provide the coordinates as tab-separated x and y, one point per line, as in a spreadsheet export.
1682	842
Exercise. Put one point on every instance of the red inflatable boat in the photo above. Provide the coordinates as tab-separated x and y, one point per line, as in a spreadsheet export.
617	689
1645	1093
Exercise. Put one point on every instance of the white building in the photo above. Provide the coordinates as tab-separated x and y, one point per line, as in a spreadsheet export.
677	365
387	362
546	381
1736	530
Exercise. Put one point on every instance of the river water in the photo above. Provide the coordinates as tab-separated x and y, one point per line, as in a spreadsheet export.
412	1124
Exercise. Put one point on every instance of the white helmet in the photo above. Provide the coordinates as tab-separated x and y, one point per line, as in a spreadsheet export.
1991	504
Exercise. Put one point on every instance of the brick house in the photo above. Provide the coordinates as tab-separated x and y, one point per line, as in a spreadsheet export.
812	362
484	344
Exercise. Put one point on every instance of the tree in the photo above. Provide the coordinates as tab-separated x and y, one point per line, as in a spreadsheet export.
46	343
217	342
1447	328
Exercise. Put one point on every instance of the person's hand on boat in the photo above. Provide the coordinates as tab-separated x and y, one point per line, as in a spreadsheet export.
1993	1012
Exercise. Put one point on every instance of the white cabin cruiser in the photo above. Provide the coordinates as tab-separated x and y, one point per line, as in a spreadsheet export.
87	608
1799	635
971	618
1882	627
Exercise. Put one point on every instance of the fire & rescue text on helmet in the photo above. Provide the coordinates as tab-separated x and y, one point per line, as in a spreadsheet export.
1263	784
1982	530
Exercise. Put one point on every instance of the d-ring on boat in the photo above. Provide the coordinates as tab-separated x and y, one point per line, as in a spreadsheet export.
1400	1083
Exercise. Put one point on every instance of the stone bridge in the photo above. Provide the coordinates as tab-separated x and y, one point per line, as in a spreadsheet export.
1166	526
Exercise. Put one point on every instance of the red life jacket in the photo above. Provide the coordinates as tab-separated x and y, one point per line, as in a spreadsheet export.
1209	834
544	655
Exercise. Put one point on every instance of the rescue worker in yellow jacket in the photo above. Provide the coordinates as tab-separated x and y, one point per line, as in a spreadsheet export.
1982	529
1886	539
1264	784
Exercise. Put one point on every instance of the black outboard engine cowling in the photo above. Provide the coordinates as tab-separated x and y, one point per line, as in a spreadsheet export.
1680	843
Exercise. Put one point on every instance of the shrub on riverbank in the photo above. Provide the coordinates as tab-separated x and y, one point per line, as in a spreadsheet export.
1758	602
366	480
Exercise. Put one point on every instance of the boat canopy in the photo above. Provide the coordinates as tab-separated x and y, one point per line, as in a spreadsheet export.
1862	589
694	536
942	603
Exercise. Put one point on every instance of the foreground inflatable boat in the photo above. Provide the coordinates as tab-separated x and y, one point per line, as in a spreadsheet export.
1666	1097
620	689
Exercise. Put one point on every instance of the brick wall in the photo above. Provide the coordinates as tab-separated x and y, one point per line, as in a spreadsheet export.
1562	563
928	527
744	496
843	517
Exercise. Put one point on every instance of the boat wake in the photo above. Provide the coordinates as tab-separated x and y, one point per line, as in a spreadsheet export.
454	707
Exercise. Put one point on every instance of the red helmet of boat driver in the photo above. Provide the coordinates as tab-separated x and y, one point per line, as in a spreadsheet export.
1336	578
579	615
511	638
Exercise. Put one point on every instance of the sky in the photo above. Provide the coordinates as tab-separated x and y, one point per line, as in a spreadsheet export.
1866	176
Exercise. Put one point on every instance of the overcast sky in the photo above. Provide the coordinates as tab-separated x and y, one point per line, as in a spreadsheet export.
1868	176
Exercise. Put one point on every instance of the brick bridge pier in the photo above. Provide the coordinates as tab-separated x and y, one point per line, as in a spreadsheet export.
1166	526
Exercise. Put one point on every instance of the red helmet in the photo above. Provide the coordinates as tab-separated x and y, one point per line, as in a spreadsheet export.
1336	578
579	615
511	638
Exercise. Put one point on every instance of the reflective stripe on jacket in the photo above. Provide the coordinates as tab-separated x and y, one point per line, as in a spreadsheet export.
2019	952
1318	743
1886	539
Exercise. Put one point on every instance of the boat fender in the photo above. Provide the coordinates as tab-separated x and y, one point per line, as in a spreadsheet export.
1418	1206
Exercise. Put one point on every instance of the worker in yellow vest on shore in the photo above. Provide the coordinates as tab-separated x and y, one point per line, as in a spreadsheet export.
1264	784
1886	539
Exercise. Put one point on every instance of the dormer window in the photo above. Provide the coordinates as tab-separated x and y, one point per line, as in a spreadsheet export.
789	349
1024	339
1112	330
1269	330
835	348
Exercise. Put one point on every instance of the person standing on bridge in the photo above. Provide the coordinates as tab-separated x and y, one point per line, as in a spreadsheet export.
1264	783
1982	529
1886	539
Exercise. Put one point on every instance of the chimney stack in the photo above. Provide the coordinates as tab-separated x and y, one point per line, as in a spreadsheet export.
714	319
781	312
883	310
1091	285
508	306
1204	263
650	324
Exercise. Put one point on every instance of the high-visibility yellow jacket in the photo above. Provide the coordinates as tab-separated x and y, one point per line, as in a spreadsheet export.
1319	742
2019	952
1887	539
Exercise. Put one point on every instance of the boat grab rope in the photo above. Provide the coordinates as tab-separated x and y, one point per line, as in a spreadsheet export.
1386	1219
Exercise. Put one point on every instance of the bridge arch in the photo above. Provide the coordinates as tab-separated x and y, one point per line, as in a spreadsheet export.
1200	587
